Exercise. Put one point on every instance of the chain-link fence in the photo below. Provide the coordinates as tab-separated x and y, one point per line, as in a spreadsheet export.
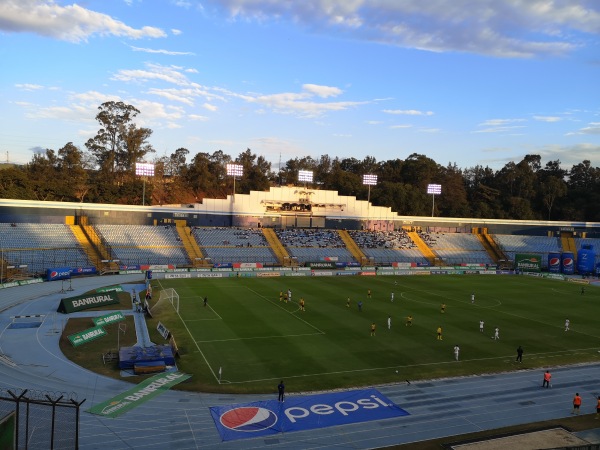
43	419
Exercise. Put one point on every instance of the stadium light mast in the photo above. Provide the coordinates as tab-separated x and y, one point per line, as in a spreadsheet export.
235	170
433	189
369	180
144	170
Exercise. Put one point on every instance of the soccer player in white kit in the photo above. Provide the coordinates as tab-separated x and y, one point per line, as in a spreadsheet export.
389	322
481	326
456	352
567	323
392	297
473	297
497	334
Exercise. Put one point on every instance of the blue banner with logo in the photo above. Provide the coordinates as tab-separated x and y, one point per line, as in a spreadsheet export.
58	273
299	413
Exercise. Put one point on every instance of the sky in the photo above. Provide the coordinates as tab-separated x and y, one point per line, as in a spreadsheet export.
471	82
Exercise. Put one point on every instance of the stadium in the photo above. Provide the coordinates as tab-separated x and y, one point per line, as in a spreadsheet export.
98	299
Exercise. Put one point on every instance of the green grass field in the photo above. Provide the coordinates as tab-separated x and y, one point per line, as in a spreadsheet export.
257	340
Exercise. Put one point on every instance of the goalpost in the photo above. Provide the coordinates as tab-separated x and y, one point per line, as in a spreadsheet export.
170	295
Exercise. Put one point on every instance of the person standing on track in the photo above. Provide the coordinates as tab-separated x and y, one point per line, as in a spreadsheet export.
576	404
281	391
598	408
547	378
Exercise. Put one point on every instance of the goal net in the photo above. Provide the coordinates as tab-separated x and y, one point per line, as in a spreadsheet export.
167	295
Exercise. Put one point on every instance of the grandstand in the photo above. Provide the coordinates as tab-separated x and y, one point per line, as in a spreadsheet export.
255	228
31	248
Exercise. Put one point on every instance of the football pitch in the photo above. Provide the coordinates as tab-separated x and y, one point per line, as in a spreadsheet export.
245	340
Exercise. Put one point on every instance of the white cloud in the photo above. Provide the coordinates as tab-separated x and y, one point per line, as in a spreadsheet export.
499	129
160	51
176	32
69	23
169	74
396	127
29	87
499	28
197	117
547	118
408	112
322	91
499	122
209	107
593	128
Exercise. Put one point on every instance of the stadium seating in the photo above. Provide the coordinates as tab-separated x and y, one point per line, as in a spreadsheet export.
41	246
458	248
144	244
512	244
234	245
309	245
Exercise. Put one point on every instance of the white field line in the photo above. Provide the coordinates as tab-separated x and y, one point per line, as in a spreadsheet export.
278	336
197	346
291	313
372	369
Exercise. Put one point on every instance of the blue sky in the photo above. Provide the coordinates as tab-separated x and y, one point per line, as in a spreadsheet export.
463	81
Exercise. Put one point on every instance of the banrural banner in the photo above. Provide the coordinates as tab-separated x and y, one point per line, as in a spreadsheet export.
108	319
86	336
117	288
72	304
526	262
139	394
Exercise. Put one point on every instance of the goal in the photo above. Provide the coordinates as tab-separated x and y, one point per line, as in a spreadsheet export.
168	295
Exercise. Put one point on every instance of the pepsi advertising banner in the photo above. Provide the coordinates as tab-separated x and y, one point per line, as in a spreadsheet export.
83	271
300	413
554	262
568	263
58	273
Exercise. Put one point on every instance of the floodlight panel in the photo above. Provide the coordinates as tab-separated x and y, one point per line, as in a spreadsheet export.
370	180
144	169
305	175
434	188
237	170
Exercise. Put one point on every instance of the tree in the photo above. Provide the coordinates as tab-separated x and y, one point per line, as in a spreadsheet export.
553	188
257	172
107	145
72	169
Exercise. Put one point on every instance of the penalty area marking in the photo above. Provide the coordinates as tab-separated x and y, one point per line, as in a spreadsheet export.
197	346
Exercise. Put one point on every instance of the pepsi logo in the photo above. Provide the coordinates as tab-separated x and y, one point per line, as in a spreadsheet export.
554	261
567	262
248	419
53	274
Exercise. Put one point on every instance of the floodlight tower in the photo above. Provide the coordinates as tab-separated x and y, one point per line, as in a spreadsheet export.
433	189
235	170
369	180
144	170
306	176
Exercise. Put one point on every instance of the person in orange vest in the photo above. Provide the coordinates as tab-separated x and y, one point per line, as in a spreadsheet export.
547	378
576	404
